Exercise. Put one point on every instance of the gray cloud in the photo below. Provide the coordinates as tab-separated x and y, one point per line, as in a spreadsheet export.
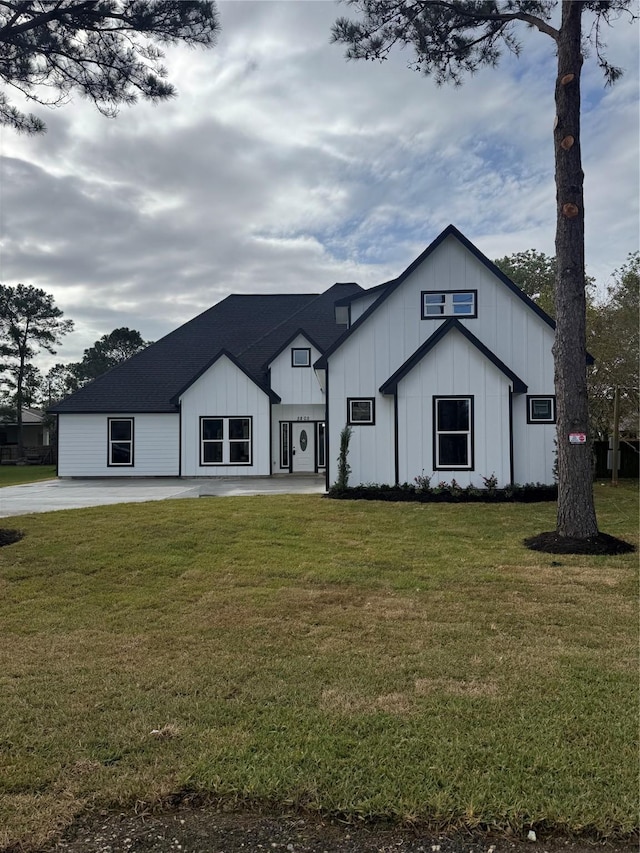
281	167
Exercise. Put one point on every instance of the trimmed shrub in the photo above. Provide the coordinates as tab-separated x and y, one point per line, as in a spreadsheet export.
446	493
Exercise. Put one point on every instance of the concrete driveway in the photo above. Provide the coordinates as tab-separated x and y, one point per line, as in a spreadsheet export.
51	495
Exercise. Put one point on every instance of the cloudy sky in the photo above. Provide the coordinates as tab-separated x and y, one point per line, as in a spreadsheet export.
281	167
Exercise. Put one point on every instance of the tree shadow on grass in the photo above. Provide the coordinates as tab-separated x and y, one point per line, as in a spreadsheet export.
8	537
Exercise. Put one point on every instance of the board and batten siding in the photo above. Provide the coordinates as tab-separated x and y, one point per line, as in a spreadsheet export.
534	449
353	374
224	391
505	324
296	384
83	445
454	368
362	303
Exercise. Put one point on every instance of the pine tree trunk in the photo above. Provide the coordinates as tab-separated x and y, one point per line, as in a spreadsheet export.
576	513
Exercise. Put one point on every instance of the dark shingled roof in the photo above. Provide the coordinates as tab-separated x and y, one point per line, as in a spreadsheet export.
252	328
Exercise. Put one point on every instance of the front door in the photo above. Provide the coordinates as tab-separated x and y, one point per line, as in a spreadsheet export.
303	447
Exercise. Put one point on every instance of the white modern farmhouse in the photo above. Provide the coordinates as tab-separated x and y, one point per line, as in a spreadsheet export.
446	370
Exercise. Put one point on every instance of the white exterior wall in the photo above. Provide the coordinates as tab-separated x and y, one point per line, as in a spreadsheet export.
354	371
224	391
83	446
505	324
533	446
296	384
293	414
360	305
454	368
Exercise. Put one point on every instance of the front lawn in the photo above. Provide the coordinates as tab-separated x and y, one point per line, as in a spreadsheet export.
15	475
407	661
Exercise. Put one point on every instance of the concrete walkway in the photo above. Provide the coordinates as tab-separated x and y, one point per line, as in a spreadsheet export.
51	495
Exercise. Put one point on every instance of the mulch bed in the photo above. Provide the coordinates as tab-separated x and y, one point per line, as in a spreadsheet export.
552	543
8	537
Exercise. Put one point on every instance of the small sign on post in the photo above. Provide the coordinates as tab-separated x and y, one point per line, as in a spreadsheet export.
577	438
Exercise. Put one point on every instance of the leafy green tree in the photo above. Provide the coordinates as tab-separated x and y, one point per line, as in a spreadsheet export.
59	382
107	50
451	38
109	350
614	341
612	331
535	273
29	322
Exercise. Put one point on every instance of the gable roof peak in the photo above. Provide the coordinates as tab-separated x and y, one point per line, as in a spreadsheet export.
391	385
389	287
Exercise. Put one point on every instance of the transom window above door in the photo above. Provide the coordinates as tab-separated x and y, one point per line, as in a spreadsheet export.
449	303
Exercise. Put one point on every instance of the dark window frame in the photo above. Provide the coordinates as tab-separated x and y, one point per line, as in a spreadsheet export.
470	433
425	316
372	403
547	397
111	442
226	441
306	350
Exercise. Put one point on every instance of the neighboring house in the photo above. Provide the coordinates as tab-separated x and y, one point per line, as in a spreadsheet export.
35	435
446	370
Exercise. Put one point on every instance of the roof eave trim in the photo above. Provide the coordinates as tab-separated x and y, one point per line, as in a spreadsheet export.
279	351
392	285
275	398
391	385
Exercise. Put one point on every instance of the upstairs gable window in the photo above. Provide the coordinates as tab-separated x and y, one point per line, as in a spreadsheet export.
437	304
301	357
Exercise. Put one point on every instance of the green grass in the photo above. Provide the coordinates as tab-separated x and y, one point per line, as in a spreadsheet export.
406	661
15	475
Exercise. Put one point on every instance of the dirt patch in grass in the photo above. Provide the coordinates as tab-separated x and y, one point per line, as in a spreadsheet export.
8	537
552	543
205	829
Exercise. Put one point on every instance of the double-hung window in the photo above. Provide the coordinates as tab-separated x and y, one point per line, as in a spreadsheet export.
437	304
225	441
211	441
120	441
453	433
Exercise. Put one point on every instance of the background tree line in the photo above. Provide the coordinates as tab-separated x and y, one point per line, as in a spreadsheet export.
30	323
612	332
